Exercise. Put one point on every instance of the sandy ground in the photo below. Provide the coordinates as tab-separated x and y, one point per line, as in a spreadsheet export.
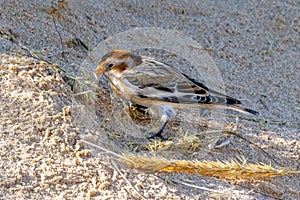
255	46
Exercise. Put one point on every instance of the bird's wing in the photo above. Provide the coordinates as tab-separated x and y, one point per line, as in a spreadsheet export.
160	82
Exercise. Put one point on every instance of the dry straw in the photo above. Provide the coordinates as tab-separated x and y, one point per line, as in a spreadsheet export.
229	170
234	169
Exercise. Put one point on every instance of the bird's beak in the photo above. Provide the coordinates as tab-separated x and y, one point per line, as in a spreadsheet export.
99	69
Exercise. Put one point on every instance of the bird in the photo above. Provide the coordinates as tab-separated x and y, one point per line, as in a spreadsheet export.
159	87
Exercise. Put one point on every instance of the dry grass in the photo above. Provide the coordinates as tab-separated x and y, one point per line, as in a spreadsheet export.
228	170
233	169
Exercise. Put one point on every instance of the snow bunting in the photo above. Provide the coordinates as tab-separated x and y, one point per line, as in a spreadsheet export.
159	87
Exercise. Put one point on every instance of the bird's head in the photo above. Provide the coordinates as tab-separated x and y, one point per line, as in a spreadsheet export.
116	61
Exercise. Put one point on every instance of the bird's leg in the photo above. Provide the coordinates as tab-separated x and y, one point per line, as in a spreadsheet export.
167	113
158	134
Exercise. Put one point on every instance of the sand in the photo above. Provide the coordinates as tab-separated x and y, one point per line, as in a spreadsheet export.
255	46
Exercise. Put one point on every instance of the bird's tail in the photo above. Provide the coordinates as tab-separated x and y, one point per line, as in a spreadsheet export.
235	104
251	111
244	110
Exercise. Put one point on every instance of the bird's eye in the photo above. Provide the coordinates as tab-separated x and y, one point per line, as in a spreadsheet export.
110	65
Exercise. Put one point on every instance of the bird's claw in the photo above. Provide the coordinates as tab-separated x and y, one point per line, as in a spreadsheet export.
157	135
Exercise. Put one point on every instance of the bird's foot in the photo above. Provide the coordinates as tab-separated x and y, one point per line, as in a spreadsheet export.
158	135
